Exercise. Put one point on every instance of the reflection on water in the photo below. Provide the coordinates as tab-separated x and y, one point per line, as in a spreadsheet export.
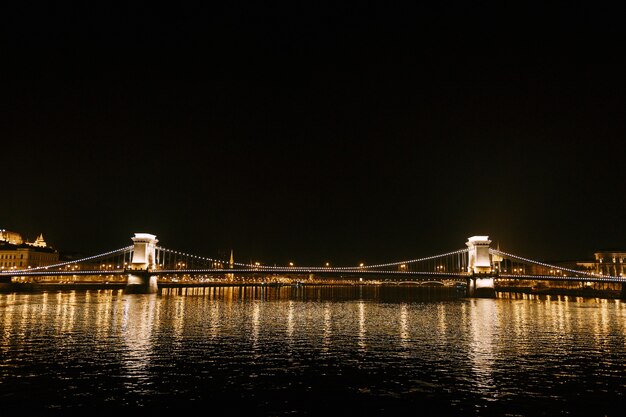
362	331
484	335
311	350
327	328
138	319
403	321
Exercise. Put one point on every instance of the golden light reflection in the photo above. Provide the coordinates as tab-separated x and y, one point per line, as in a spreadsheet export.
139	314
327	330
520	324
404	327
483	330
290	323
214	318
255	321
621	319
178	321
104	318
362	339
66	311
604	319
8	307
442	320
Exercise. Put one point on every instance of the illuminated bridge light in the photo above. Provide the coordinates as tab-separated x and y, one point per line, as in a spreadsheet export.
440	264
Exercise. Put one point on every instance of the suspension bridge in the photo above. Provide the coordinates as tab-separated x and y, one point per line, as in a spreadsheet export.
144	264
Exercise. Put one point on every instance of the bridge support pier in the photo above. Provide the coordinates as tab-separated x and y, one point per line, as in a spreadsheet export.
141	282
480	283
481	287
140	279
623	293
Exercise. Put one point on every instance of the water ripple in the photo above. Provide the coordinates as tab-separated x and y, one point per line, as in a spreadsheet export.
325	352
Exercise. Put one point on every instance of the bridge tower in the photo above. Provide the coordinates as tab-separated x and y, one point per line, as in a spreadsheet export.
480	283
231	265
140	280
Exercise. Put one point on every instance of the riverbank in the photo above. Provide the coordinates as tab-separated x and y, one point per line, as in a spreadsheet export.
573	292
72	286
33	287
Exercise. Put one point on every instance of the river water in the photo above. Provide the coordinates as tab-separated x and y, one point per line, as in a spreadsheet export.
355	350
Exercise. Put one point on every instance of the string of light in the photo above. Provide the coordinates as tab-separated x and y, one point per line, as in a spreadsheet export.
188	255
316	268
89	258
573	271
244	267
595	278
429	258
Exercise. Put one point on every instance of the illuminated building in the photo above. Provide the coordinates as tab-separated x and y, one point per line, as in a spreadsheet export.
17	254
610	263
13	238
39	242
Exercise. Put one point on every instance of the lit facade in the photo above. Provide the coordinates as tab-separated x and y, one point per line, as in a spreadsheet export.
610	263
26	256
13	238
479	259
17	254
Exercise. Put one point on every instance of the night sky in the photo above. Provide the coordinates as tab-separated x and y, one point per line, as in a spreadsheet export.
311	133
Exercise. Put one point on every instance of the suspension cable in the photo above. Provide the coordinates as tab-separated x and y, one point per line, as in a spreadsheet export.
89	258
509	255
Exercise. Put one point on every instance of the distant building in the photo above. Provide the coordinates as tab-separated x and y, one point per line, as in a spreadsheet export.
39	242
13	238
17	254
585	265
610	263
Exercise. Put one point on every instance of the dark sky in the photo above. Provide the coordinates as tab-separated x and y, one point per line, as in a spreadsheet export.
314	133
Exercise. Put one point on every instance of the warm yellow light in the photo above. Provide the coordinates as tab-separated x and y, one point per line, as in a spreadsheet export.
290	263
